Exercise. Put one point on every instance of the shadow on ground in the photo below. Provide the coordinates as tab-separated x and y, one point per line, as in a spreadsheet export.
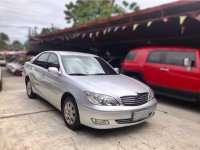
179	103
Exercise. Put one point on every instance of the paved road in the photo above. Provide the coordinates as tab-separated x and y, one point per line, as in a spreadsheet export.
11	82
35	124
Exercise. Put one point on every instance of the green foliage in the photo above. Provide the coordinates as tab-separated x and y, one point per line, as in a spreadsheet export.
17	45
45	30
3	41
4	37
125	3
131	6
84	11
48	30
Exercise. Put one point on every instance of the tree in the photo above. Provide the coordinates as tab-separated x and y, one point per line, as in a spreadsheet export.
48	30
4	37
84	11
45	30
3	41
17	45
131	6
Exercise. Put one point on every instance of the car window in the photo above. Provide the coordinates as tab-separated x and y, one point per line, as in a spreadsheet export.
43	57
53	61
42	60
131	55
155	57
177	57
86	65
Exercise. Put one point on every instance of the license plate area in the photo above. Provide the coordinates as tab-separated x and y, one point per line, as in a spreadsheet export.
140	115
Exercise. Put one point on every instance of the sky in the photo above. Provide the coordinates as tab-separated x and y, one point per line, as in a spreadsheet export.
16	16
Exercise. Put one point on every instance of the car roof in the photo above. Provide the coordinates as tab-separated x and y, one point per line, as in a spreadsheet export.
163	48
71	53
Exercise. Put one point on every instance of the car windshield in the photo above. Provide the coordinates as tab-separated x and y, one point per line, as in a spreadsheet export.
86	65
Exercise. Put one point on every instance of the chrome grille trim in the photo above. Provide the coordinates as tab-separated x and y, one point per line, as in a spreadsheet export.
135	100
125	121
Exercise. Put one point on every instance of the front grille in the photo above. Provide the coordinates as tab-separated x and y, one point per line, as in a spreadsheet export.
135	100
130	120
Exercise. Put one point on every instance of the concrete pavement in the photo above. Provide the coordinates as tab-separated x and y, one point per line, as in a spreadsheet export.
36	125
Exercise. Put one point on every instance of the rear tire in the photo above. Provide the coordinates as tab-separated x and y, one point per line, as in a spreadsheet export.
71	114
29	90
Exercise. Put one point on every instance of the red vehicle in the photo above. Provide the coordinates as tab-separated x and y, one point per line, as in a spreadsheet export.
170	71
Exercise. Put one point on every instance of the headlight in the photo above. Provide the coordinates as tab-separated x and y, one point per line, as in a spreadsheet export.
100	99
151	95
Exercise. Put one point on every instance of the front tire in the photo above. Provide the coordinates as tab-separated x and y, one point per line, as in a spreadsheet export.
29	90
71	114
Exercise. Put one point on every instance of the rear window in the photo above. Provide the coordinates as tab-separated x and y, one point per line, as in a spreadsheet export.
131	55
177	57
155	57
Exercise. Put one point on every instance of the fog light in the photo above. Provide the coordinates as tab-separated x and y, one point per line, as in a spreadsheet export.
99	121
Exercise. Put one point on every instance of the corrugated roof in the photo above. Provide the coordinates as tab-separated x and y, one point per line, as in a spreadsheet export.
151	14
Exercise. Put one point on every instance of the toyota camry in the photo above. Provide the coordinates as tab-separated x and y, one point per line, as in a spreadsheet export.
88	91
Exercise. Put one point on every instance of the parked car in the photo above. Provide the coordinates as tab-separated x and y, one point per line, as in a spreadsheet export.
2	60
9	64
170	71
88	90
15	67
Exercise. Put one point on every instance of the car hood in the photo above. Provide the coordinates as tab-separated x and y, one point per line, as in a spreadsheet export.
117	85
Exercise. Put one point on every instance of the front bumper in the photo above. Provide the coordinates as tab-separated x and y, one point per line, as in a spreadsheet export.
116	116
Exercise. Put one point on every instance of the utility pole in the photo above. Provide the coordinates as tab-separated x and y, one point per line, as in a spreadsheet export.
52	27
35	30
29	32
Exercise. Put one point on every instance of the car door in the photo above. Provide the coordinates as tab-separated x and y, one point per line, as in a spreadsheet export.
129	61
37	76
53	82
176	75
153	67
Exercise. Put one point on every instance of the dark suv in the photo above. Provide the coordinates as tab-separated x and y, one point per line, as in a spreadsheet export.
170	71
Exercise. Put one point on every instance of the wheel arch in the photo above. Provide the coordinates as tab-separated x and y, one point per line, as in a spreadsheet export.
66	94
26	79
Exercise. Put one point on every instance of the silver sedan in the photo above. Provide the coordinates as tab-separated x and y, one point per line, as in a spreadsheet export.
88	91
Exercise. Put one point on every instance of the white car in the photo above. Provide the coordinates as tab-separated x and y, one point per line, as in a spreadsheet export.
9	65
88	90
15	67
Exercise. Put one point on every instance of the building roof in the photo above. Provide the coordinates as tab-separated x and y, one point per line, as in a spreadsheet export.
151	14
173	24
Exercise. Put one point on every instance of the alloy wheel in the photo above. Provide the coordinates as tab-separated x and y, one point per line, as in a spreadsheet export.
28	88
70	113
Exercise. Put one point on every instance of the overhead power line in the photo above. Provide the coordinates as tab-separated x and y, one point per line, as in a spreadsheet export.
16	26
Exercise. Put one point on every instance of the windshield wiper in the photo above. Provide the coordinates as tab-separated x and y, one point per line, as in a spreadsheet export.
77	74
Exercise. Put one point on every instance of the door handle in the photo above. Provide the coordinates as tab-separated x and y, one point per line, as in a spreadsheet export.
164	69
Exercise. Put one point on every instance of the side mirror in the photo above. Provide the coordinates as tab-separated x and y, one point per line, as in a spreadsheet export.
53	70
117	70
187	62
